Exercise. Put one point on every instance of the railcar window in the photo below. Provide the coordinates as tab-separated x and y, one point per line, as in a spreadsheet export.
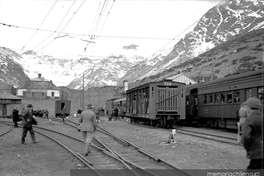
229	97
210	98
236	96
217	98
205	98
248	93
261	93
222	97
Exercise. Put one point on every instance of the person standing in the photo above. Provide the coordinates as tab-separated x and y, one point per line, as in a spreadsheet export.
27	118
63	113
47	113
79	111
15	117
252	133
88	126
242	114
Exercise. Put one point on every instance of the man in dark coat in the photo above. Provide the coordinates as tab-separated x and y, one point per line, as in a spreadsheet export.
15	117
252	133
27	124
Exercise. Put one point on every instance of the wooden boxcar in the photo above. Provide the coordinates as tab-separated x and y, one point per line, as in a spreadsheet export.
62	107
219	100
156	103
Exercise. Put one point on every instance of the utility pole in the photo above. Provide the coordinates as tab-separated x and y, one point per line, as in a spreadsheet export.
83	93
99	96
89	93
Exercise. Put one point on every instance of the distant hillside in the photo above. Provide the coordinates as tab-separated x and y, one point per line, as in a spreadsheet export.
243	53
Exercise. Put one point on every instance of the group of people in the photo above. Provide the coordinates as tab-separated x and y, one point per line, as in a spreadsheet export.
115	113
251	131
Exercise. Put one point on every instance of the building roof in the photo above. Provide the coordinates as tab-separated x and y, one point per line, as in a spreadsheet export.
39	85
9	96
5	86
182	78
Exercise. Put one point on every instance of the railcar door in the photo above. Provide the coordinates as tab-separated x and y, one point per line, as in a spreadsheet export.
167	99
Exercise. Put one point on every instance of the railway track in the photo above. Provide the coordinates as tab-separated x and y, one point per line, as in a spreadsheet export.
203	135
113	153
140	161
6	131
99	159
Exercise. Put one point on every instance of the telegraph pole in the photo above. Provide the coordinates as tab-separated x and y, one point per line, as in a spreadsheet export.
83	93
99	96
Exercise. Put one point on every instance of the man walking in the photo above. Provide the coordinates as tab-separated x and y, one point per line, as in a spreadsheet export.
27	124
88	126
252	133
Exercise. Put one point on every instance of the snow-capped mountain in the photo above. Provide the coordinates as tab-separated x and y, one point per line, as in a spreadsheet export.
11	71
107	72
73	73
217	26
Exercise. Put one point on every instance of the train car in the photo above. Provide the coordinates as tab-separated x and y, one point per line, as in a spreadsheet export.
219	100
109	105
156	103
62	107
121	105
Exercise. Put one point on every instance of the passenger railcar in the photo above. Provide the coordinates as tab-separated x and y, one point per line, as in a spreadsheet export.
156	103
216	103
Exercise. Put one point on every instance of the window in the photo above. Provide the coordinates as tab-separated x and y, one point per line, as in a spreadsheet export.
222	97
229	97
217	98
52	94
248	93
236	96
205	98
210	98
260	93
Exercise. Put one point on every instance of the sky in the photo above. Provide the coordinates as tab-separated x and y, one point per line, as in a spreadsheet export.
97	28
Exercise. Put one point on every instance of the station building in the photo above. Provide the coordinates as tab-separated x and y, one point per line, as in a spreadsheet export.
41	93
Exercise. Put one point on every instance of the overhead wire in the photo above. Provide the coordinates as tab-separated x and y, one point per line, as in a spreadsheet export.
96	38
83	35
91	31
180	34
39	26
65	25
57	26
102	14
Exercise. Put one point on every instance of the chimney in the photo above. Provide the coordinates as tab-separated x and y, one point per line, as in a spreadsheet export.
39	75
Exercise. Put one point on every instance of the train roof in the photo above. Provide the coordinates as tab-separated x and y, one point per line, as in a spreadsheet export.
235	77
227	79
153	82
121	99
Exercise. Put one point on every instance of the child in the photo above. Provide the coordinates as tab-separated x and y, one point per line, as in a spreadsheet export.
171	136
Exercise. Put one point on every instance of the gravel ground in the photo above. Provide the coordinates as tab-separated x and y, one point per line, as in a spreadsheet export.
47	158
188	152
